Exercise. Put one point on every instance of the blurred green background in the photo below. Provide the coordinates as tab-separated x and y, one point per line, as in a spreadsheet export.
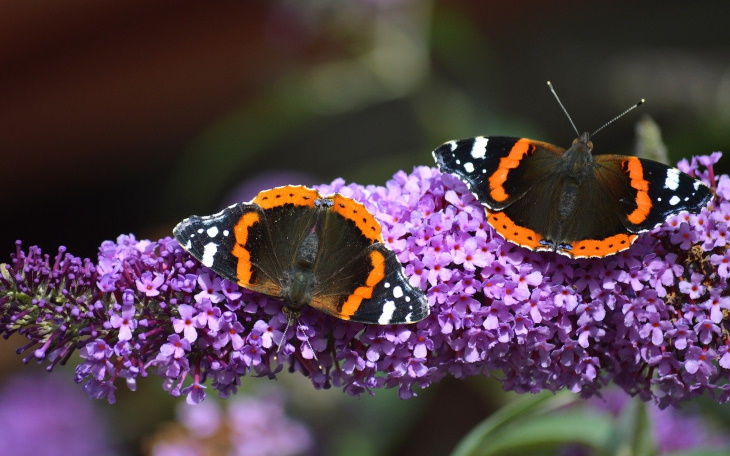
127	116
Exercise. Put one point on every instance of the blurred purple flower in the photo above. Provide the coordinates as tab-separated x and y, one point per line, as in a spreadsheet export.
673	430
653	318
246	425
46	415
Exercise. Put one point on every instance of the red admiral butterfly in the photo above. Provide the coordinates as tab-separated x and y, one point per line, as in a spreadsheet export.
544	197
293	244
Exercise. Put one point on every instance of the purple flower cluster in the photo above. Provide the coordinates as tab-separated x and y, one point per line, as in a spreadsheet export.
246	425
653	318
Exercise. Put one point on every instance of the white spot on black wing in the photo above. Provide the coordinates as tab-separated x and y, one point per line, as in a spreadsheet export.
209	252
479	148
672	180
398	292
212	231
469	167
388	309
674	200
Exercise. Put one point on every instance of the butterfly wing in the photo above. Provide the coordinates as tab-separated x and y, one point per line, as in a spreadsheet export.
371	288
649	191
394	300
625	196
253	243
514	177
539	221
224	242
497	169
358	278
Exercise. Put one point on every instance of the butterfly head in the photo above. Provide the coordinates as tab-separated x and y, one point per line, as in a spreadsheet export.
578	158
583	141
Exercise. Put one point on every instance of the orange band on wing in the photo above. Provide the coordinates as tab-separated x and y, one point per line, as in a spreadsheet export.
513	232
608	246
291	194
641	185
364	220
243	269
377	274
496	181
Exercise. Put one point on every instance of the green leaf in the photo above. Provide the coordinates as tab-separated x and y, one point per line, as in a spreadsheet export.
533	423
632	434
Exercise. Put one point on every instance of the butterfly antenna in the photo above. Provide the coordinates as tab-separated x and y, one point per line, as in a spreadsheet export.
565	110
319	366
283	335
639	103
289	318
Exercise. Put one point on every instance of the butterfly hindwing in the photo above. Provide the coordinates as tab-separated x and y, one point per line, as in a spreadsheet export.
354	288
536	221
342	283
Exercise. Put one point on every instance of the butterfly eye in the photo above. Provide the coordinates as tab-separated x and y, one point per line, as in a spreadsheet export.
590	144
575	141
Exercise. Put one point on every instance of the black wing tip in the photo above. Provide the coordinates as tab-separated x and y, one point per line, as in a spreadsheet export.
439	154
185	228
424	311
707	198
705	194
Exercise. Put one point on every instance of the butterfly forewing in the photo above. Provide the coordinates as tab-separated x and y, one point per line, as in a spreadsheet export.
671	192
217	240
489	166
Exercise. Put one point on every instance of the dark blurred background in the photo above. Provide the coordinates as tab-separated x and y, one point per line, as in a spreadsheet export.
127	116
